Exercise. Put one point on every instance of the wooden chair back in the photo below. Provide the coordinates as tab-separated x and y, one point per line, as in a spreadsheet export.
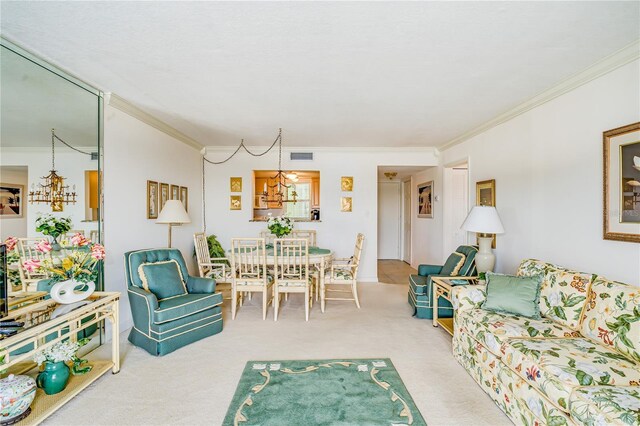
267	236
291	260
248	260
308	234
357	252
27	251
202	253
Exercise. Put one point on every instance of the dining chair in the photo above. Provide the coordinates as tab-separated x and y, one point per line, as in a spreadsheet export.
249	267
344	272
308	234
27	251
292	272
217	268
94	236
267	236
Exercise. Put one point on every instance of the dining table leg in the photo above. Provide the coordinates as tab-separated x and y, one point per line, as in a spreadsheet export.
321	284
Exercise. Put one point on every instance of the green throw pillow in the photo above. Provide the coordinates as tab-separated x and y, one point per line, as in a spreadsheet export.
453	264
509	294
164	279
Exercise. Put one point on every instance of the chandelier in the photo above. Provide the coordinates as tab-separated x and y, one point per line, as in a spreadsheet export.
52	189
280	189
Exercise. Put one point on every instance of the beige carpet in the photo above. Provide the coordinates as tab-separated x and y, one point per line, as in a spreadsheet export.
194	385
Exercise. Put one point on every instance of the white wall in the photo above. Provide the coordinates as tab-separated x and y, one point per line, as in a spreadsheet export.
547	164
9	226
337	230
69	164
135	152
426	239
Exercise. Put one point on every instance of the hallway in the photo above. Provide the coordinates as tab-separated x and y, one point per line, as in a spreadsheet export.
394	272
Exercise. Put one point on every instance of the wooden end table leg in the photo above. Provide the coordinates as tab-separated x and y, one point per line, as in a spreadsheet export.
434	304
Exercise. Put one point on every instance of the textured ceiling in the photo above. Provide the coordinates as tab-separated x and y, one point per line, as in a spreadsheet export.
329	73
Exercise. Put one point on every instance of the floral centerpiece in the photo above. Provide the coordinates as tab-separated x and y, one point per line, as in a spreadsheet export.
79	266
13	257
55	374
53	227
280	226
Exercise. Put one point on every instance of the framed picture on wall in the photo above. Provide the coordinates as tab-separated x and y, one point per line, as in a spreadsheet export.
621	183
346	204
235	184
164	195
152	199
486	196
425	200
235	202
175	192
346	183
184	197
11	200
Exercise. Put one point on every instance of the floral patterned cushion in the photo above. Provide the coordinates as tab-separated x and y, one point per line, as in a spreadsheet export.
220	274
341	274
563	296
492	329
612	316
530	267
606	405
467	297
557	366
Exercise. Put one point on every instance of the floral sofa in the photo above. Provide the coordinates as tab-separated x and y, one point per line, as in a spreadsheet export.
579	364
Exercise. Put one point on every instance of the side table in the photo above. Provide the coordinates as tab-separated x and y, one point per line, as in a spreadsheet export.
442	288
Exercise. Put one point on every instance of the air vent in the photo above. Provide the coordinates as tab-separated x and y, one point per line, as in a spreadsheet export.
94	156
302	156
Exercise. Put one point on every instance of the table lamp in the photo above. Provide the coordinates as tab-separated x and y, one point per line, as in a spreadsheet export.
484	221
173	213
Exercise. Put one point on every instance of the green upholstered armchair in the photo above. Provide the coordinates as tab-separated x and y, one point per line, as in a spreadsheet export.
164	321
461	263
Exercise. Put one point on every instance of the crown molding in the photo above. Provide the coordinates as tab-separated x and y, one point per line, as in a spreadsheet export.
610	63
128	108
403	149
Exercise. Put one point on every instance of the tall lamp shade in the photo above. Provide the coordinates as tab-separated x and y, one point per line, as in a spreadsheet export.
173	213
484	221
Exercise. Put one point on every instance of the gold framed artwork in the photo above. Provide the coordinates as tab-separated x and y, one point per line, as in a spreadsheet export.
152	199
184	197
486	196
164	195
11	200
175	192
425	200
346	183
235	184
235	202
346	204
621	183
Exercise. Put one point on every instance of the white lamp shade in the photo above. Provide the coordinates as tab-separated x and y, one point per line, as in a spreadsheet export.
484	220
173	212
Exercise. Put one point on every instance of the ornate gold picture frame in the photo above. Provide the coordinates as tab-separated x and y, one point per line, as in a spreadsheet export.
235	202
346	183
164	195
235	184
346	204
486	196
152	199
621	183
184	197
175	192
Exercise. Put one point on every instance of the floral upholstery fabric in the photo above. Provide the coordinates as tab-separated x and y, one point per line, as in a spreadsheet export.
563	296
530	267
555	367
341	274
468	297
612	317
606	405
492	329
220	274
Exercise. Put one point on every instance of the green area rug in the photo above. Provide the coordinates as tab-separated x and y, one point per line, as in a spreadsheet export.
322	392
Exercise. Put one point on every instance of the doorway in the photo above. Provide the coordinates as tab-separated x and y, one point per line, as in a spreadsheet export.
406	221
456	206
389	219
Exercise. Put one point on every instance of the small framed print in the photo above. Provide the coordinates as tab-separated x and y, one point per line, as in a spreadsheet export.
175	192
346	183
184	197
164	195
425	200
346	204
235	202
11	200
152	199
486	196
235	184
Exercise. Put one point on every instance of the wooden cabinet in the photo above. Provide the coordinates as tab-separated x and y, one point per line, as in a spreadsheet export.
315	193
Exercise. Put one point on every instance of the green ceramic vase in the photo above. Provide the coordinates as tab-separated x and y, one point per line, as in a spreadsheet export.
54	377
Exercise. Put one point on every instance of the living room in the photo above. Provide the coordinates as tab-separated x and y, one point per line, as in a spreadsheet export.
241	112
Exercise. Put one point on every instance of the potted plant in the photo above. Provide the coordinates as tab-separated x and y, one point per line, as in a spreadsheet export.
280	226
77	270
54	376
53	227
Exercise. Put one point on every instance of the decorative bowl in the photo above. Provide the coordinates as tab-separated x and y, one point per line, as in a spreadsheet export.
16	395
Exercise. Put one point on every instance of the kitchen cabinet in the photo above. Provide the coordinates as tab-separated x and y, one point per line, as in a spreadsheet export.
315	193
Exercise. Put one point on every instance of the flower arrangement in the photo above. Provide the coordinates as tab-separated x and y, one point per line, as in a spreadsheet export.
79	264
63	352
13	257
280	226
53	226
